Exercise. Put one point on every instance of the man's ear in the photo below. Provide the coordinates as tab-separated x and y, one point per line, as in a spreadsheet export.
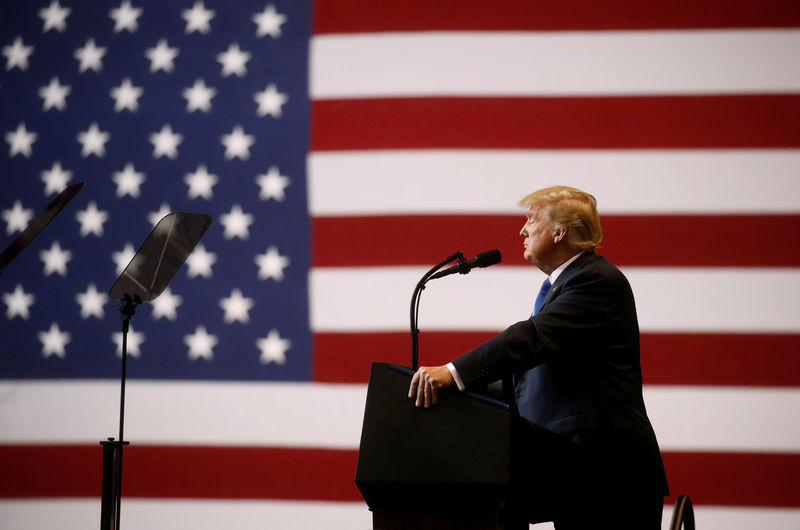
560	235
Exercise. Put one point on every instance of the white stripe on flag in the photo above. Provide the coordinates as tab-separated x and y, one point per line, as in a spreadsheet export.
206	514
554	63
624	181
141	514
175	412
667	299
330	416
703	418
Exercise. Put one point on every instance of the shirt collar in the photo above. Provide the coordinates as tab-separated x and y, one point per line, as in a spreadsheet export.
556	273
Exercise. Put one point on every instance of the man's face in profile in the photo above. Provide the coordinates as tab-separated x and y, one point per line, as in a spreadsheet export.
539	242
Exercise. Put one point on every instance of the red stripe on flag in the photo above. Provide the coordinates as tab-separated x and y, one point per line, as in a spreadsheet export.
197	472
193	472
734	479
350	16
771	360
346	357
685	240
557	122
667	359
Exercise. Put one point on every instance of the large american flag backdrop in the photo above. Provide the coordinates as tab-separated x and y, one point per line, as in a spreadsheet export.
343	147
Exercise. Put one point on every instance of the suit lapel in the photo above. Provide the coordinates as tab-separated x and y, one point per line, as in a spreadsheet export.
567	274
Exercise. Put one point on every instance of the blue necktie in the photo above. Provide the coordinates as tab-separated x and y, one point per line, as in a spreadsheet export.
542	295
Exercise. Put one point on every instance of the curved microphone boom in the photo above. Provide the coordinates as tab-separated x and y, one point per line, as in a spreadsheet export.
484	259
415	305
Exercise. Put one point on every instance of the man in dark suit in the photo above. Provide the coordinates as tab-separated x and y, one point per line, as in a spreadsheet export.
575	365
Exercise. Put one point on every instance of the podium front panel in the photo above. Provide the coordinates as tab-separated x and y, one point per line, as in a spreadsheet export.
461	452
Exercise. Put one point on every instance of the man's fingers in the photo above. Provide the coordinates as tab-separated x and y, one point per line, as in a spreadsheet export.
425	387
418	385
412	389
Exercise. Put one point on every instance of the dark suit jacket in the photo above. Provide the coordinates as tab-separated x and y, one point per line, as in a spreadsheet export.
577	372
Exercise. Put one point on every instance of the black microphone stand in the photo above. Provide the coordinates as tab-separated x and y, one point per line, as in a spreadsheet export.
415	303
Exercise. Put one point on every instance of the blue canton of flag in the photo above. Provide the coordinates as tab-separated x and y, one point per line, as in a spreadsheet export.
163	106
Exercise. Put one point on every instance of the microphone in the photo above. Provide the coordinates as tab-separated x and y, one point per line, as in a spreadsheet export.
484	259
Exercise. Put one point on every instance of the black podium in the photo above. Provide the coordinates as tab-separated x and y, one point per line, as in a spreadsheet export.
467	463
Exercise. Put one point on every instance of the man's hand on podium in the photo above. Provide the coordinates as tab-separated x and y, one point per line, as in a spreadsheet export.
426	383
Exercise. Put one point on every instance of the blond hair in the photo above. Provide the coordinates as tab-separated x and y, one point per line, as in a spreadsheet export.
572	209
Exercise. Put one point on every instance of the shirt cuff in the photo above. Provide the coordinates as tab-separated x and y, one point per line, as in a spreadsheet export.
456	377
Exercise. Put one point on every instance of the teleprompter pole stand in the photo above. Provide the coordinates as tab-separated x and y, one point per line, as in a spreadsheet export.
143	280
112	449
